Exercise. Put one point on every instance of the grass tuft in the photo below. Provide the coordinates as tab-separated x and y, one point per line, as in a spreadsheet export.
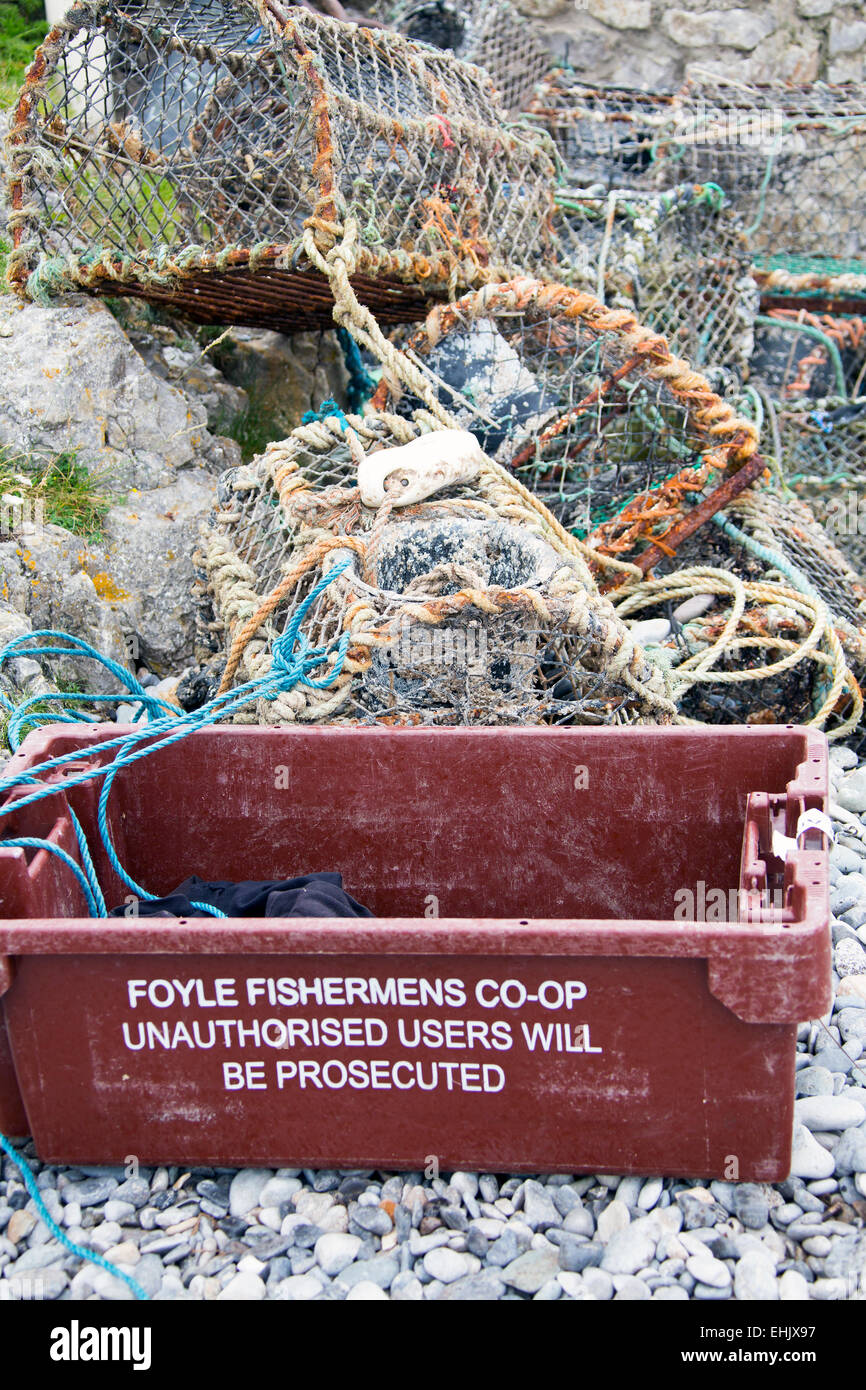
70	496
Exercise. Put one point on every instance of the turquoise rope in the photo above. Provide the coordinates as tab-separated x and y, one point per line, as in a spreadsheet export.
80	1251
327	409
31	842
289	668
763	552
361	384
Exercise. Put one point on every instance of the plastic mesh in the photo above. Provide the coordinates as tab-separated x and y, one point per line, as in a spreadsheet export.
585	406
678	259
184	154
462	609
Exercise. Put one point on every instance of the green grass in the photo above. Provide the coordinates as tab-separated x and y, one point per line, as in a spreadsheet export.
257	426
254	429
22	29
70	496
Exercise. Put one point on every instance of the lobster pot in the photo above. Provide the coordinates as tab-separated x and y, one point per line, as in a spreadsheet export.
758	618
803	617
209	157
794	161
489	33
678	259
605	137
584	405
468	608
824	458
791	160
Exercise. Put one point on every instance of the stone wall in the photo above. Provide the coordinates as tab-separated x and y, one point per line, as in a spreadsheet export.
655	45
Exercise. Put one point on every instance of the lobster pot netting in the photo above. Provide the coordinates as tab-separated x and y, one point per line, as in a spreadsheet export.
488	33
678	259
604	137
584	405
823	450
760	617
794	161
465	608
799	355
791	159
211	157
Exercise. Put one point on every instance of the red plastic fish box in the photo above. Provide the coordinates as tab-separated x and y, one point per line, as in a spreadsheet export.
535	994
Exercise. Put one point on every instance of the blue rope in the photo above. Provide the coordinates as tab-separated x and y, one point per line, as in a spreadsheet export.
293	662
80	1251
31	842
361	384
327	408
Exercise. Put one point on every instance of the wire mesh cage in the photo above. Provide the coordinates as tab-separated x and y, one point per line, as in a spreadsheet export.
489	33
678	259
465	607
792	159
823	451
604	137
218	158
587	408
760	617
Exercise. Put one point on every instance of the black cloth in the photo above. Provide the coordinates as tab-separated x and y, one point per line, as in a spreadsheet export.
312	895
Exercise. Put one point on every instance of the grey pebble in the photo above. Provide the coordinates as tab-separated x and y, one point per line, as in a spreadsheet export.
850	1152
751	1206
381	1270
628	1251
447	1265
539	1209
579	1222
851	791
90	1192
375	1220
477	1288
134	1190
504	1250
755	1279
834	1059
630	1289
529	1271
246	1189
815	1081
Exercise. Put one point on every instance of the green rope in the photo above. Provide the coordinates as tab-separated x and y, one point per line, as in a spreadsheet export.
773	558
811	332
